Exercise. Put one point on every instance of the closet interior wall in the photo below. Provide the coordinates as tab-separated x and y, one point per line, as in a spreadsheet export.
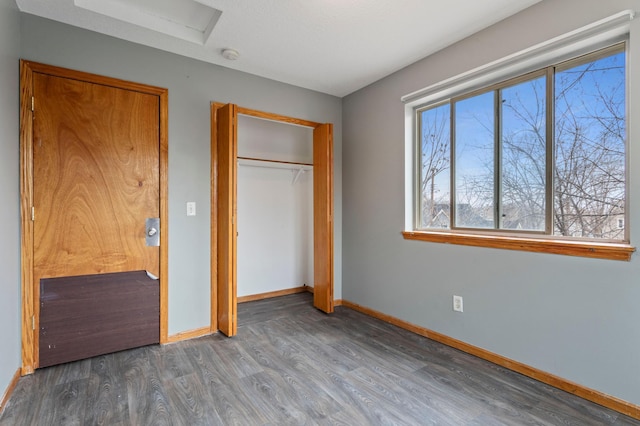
275	206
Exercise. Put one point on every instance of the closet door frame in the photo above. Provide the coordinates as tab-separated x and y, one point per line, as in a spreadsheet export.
224	153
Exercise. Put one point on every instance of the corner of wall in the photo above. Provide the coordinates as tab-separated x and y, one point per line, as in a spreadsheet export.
9	184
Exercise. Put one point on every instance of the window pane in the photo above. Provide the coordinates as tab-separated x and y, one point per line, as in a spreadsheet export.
435	152
523	173
590	149
474	162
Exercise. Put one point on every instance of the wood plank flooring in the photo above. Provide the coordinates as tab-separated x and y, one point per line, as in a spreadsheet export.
293	365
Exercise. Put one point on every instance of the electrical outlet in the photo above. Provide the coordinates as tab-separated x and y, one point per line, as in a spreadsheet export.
191	208
457	304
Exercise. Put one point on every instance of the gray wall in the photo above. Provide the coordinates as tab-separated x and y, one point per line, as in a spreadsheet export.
192	86
573	317
9	188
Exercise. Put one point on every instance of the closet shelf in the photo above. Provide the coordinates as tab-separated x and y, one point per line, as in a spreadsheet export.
275	164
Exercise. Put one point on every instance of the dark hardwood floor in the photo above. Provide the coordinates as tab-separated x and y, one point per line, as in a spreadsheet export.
292	365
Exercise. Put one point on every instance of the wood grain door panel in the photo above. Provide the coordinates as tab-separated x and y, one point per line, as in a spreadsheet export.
96	178
227	157
323	218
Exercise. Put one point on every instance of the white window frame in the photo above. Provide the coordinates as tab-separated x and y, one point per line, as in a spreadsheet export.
598	35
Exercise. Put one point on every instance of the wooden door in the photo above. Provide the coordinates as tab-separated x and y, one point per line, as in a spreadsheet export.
227	160
323	217
95	152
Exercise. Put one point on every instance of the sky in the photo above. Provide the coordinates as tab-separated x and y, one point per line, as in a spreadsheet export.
474	127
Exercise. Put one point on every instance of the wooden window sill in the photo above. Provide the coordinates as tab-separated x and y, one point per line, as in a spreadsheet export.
612	251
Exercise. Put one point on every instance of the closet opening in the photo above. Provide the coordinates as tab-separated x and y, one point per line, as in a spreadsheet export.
275	208
272	210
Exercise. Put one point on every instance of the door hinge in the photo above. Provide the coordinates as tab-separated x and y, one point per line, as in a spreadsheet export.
33	103
33	213
33	322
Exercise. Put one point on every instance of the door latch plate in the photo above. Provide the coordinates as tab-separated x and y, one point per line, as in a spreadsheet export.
152	231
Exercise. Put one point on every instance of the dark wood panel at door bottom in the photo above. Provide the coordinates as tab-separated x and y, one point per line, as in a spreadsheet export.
90	315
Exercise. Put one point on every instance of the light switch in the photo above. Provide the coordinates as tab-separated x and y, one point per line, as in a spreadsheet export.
191	208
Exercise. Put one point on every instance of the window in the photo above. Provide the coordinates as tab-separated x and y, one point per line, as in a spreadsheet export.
540	155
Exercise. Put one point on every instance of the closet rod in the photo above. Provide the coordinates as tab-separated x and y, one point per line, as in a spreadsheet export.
262	160
296	167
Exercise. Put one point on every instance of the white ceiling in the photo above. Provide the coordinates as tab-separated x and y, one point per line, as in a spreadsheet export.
332	46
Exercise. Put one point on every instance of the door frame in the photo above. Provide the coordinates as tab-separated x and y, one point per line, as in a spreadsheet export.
323	226
29	289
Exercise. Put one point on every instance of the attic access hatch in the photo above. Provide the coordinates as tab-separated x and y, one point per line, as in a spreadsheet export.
188	20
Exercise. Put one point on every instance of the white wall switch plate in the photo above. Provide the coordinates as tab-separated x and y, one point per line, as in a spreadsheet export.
191	208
